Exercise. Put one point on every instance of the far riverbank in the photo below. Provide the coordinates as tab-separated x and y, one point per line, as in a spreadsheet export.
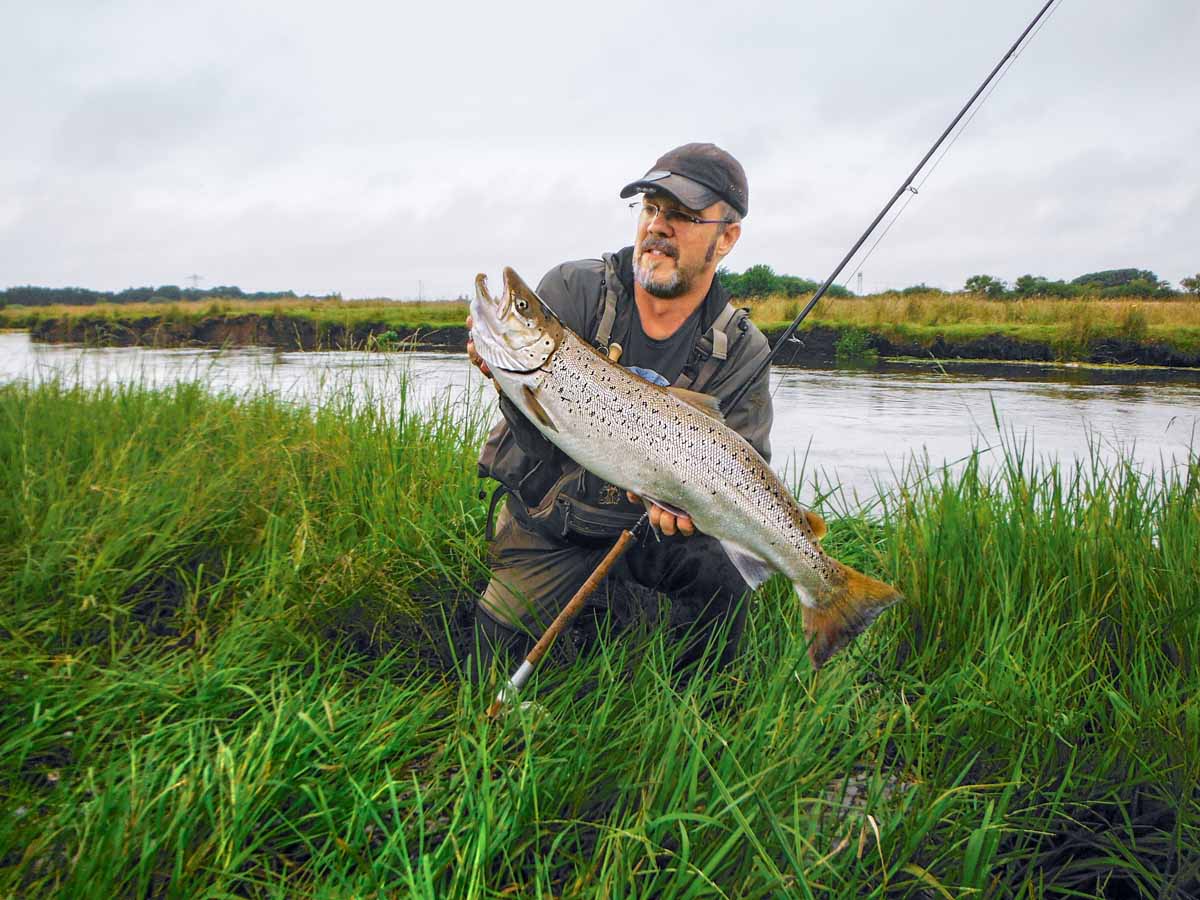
1148	333
814	344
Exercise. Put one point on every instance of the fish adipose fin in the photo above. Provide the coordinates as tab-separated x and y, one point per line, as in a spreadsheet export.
754	570
816	523
706	403
853	606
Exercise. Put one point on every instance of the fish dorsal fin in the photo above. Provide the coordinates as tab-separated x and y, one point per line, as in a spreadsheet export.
816	523
706	403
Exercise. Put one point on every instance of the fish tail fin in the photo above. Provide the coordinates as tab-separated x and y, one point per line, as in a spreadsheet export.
853	606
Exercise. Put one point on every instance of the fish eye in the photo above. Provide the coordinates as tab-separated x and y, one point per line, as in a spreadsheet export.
521	304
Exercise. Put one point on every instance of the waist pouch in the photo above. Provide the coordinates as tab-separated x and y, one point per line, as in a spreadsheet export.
561	515
546	490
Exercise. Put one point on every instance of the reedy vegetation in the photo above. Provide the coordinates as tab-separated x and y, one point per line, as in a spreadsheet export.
217	617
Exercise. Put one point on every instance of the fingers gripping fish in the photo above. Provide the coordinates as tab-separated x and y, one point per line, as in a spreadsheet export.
670	446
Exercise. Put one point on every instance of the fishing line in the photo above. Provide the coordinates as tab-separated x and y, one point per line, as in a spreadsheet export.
737	397
982	94
913	192
965	125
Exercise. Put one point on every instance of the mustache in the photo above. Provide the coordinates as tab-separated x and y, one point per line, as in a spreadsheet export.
660	244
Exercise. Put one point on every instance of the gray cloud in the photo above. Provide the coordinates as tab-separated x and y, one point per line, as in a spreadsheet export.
367	149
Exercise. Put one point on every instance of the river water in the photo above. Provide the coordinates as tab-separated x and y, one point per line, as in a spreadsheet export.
856	429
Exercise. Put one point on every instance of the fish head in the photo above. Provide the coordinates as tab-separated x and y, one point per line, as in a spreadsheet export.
515	332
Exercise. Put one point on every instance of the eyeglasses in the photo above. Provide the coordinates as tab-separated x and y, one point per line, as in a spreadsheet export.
676	218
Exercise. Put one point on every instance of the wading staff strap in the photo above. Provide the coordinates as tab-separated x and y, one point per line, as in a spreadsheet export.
574	606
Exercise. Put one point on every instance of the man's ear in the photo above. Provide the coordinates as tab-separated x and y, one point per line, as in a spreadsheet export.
728	238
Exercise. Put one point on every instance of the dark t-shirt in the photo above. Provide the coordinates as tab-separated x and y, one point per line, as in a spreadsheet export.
668	356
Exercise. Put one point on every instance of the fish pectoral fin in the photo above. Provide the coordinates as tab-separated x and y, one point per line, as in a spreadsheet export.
816	523
536	408
706	403
843	616
752	568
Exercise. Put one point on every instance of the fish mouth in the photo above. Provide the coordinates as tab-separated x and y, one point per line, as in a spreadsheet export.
513	332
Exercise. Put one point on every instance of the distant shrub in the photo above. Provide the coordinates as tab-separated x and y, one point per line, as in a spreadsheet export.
762	281
28	295
1191	285
1133	326
1037	286
1124	283
921	288
914	309
174	313
1114	277
987	285
854	345
1082	327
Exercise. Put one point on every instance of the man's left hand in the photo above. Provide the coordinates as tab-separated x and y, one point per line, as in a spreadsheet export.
667	523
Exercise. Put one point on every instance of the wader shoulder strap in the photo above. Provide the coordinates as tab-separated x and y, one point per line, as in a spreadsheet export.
609	313
720	340
714	346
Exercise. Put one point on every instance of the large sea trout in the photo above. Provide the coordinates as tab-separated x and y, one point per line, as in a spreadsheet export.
672	448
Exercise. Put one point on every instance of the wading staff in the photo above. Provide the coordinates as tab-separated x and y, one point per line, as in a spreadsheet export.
508	692
906	185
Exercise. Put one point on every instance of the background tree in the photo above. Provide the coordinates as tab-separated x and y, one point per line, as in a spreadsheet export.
762	281
1114	277
1191	285
1124	283
29	295
1037	286
987	285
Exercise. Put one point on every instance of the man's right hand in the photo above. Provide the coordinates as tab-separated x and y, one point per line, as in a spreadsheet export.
473	356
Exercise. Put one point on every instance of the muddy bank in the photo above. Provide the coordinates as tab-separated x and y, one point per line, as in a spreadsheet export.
820	345
283	332
816	345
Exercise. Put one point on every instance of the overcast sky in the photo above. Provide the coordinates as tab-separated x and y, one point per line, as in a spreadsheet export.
364	148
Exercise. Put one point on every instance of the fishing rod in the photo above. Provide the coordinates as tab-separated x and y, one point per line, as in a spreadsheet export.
905	185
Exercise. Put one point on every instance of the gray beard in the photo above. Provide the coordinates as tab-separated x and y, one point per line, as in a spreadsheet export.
665	288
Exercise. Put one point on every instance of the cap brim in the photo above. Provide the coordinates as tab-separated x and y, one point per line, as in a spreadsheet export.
690	193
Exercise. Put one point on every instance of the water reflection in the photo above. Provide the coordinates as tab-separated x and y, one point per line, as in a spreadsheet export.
856	428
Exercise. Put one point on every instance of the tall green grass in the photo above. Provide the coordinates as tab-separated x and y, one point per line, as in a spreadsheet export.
225	671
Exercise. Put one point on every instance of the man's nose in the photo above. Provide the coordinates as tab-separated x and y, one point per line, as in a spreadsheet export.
658	224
